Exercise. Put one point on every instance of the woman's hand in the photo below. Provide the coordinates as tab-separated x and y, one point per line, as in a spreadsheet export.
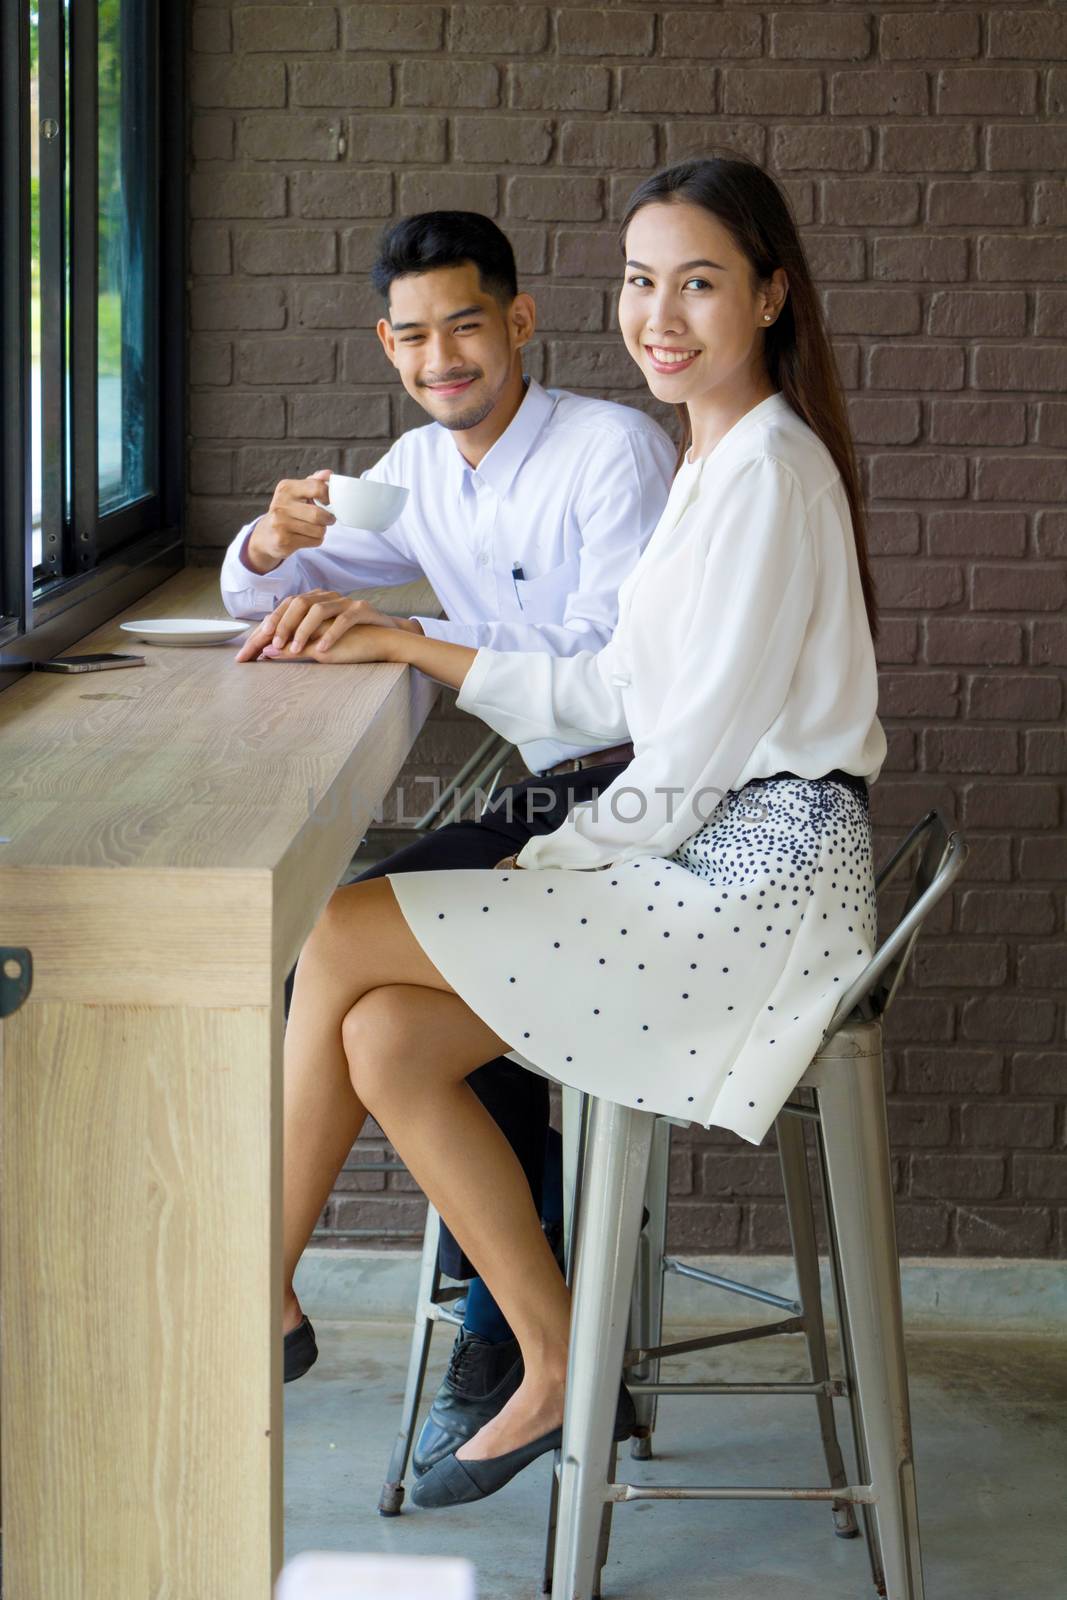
321	612
365	643
509	864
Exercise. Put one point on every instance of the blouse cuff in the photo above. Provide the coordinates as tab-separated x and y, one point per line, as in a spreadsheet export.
470	688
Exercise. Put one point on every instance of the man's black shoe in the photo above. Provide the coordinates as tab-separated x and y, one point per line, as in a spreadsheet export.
301	1350
480	1380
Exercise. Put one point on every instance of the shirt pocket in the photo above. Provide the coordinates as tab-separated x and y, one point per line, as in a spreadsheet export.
539	599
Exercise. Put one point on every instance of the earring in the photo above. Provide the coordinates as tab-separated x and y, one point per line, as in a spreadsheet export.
766	316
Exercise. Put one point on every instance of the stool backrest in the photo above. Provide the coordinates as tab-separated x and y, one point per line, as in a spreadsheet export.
939	856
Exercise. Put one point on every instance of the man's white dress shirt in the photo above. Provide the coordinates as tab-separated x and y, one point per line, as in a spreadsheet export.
742	649
569	494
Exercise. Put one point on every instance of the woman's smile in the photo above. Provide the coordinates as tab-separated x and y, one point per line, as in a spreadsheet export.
662	358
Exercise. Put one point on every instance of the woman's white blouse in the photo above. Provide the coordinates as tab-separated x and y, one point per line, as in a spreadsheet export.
742	649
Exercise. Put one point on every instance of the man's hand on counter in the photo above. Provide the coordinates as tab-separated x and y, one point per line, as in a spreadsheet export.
322	616
368	636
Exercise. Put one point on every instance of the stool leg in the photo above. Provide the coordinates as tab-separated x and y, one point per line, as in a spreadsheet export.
392	1495
647	1316
851	1101
609	1221
797	1190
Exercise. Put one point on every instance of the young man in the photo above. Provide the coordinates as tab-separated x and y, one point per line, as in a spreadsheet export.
527	509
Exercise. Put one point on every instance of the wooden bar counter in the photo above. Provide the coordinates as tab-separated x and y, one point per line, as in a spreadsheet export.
173	832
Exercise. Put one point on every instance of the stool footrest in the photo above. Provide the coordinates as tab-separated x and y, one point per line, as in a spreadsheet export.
836	1388
616	1493
681	1347
731	1285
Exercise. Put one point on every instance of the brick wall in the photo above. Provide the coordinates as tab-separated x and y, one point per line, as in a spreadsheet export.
923	150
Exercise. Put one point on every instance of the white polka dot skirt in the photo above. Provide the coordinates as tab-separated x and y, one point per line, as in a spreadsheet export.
697	986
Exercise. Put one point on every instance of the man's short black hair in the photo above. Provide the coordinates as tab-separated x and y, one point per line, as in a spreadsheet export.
447	239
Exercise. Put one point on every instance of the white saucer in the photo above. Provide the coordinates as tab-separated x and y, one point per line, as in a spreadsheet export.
186	630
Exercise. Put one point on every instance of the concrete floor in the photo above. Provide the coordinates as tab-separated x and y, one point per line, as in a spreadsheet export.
990	1420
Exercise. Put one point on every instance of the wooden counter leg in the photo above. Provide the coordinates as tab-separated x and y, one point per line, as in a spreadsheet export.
140	1229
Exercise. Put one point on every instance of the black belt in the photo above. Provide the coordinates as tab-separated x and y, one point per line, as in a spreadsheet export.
857	784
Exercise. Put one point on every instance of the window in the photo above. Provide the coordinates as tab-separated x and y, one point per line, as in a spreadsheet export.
91	177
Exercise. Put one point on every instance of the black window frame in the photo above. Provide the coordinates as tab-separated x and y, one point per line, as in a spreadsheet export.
99	564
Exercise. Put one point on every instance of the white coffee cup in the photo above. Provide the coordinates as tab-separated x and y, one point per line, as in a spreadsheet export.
363	503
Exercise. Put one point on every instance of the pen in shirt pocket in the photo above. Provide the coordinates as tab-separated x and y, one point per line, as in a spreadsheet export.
516	574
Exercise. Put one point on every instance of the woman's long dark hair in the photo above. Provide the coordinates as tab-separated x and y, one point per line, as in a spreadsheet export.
799	357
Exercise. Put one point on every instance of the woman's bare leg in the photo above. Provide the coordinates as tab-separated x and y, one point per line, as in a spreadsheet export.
409	1049
359	942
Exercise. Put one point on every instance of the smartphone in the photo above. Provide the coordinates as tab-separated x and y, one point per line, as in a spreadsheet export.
98	663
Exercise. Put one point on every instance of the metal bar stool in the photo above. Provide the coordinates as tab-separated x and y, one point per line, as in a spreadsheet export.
843	1095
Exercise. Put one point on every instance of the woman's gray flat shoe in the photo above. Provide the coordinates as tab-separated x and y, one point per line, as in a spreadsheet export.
452	1482
301	1350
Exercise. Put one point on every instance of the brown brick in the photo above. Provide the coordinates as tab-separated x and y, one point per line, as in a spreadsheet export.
341	83
1019	911
1049	644
1007	1125
397	138
1042	966
823	148
1015	697
582	364
556	198
1052	530
393	28
238	306
293	137
211	32
820	35
989	860
588	32
981	750
1039	1071
691	89
924	1017
705	1226
918	476
448	191
914	37
922	585
260	468
284	28
898	641
210	361
922	1229
1018	366
268	251
915	366
920	147
687	139
834	256
212	137
972	641
558	86
952	1177
1015	805
892	533
976	533
870	201
985	92
968	203
587	255
1028	35
1050	423
977	422
1024	257
282	362
1020	477
396	1217
747	1173
1025	147
449	84
918	694
1046	751
608	145
210	471
335	305
1050	203
342	193
918	1122
884	421
1056	92
882	92
339	416
966	312
767	92
712	35
237	194
231	82
1040	1177
509	141
933	259
954	1071
209	249
563	308
237	416
958	965
506	30
1002	1230
531	249
1019	587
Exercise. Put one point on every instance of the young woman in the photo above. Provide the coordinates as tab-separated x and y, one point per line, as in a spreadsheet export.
681	943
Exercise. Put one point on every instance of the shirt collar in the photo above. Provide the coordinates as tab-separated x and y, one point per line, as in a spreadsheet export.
499	465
